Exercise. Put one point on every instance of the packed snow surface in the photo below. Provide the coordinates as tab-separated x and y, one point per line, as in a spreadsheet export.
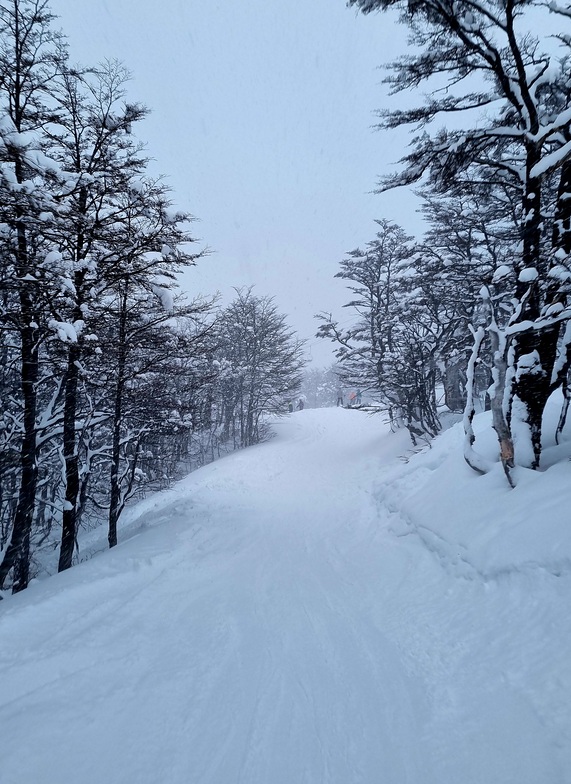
313	610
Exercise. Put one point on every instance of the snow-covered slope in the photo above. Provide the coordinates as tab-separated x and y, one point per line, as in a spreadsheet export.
309	610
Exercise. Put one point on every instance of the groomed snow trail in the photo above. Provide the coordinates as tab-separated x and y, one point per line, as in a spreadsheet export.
270	621
235	643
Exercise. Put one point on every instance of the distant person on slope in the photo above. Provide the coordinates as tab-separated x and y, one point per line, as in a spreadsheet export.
300	405
339	397
352	398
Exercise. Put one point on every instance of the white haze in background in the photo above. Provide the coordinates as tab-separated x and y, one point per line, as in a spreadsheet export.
262	116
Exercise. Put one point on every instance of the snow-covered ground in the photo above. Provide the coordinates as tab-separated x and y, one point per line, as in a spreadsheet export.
313	610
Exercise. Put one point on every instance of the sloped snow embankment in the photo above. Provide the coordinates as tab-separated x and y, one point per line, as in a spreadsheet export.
489	629
311	610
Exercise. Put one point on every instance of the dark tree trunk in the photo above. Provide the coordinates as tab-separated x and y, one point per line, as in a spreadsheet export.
561	239
70	452
17	555
534	388
455	386
18	552
532	376
115	495
69	517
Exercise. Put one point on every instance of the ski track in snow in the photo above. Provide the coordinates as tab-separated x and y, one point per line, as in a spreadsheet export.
271	620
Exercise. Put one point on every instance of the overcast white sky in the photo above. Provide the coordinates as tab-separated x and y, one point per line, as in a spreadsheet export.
262	114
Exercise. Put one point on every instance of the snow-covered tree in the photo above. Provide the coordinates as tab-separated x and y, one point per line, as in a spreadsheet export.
319	386
468	238
482	56
31	57
390	350
262	364
90	250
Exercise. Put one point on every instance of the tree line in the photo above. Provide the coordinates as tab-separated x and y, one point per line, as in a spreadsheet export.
482	301
111	380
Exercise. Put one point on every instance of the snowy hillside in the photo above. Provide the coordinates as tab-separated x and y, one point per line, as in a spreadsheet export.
311	610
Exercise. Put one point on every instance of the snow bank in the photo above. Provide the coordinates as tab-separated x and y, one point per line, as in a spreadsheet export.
477	525
482	617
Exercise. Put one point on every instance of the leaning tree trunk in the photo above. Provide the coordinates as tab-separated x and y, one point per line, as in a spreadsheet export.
474	460
499	395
